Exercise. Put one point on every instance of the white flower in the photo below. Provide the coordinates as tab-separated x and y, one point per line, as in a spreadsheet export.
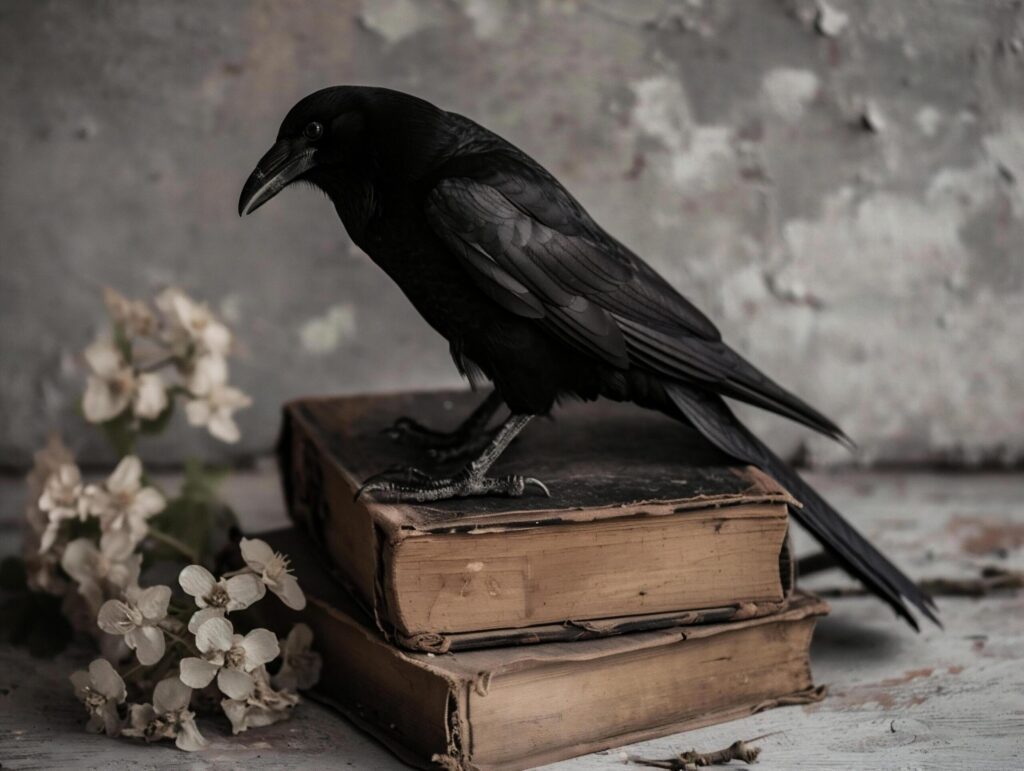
214	402
263	706
61	500
228	656
137	617
168	717
41	569
301	665
114	385
113	565
217	597
150	398
272	568
133	316
123	504
100	689
192	327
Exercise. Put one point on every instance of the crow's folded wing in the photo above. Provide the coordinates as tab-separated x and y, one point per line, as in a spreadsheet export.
531	248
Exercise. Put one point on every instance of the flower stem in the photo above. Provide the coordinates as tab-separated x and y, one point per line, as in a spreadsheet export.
182	641
132	671
169	540
239	572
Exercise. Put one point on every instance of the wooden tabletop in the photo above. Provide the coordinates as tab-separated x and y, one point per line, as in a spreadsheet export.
944	699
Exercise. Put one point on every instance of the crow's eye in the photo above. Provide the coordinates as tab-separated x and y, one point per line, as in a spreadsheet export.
313	131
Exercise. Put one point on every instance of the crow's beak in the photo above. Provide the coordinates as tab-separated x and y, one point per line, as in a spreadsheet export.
284	162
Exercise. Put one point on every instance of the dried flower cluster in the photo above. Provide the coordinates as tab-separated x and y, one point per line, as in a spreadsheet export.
125	381
86	542
205	651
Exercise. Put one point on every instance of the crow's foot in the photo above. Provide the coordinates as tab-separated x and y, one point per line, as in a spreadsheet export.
413	485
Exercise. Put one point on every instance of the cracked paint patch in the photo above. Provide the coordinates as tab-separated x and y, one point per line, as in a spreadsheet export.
487	17
788	91
394	20
324	334
698	153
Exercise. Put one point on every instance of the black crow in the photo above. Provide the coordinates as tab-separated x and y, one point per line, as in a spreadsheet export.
534	295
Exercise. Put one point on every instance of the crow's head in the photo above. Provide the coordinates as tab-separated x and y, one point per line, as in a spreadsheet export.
344	135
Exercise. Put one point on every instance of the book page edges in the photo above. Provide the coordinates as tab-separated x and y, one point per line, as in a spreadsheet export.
460	675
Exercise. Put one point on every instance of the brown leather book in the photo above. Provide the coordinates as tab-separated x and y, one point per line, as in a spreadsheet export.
522	706
646	526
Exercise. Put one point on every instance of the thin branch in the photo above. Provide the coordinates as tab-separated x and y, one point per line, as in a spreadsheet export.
169	540
693	760
992	579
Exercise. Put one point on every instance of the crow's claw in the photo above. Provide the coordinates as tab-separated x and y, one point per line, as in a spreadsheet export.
422	488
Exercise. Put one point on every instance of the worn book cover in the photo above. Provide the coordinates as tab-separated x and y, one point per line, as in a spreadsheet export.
501	709
646	526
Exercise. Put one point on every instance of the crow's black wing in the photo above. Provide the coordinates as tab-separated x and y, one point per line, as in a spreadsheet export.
534	250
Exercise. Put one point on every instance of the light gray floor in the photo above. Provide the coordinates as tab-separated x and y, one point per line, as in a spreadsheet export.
950	699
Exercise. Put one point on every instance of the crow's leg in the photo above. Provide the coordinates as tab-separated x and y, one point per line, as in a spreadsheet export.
470	437
414	485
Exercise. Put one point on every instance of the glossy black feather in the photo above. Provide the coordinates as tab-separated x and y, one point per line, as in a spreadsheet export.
500	259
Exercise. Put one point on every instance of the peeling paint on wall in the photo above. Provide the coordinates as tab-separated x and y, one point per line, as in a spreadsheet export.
839	184
323	334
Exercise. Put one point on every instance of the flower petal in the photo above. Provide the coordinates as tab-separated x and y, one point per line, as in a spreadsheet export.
114	618
210	371
300	638
170	695
244	590
189	739
198	412
234	683
256	553
111	720
217	337
222	426
197	673
116	546
290	593
153	602
106	680
260	647
80	681
139	716
200	617
80	560
100	403
150	396
236	711
196	581
103	358
126	476
148	643
147	502
215	634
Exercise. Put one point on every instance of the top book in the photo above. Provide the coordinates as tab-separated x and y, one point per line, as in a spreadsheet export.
646	526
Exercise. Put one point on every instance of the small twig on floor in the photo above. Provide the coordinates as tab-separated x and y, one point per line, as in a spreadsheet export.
692	760
992	579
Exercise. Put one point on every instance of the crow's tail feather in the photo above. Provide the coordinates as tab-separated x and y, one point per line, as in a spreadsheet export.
712	417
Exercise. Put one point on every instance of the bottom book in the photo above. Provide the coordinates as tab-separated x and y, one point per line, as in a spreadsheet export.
511	708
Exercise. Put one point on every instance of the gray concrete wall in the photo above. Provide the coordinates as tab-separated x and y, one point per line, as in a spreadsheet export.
839	186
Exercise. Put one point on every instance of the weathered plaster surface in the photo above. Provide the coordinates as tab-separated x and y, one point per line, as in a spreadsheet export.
840	185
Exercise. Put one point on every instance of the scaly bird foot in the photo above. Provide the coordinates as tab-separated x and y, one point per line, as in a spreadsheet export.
413	485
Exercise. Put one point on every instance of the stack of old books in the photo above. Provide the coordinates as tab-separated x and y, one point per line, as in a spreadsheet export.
652	593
